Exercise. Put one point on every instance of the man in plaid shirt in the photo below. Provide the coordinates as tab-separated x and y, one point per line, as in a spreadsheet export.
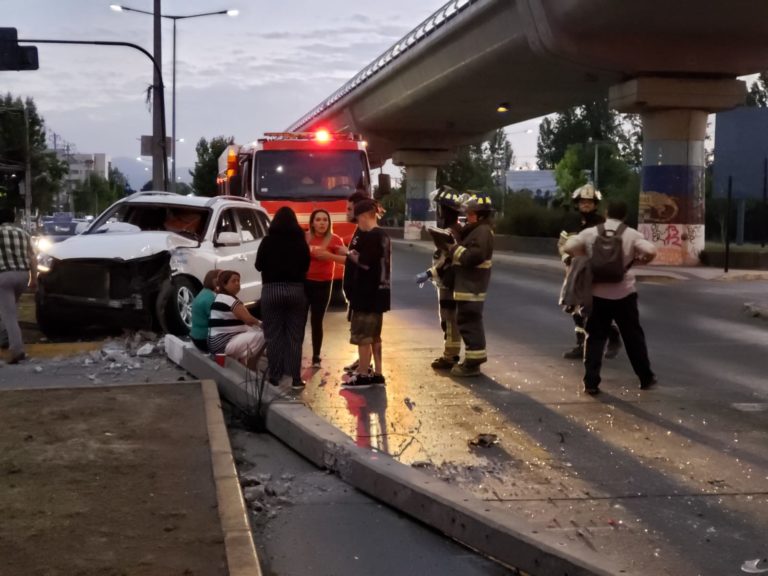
18	269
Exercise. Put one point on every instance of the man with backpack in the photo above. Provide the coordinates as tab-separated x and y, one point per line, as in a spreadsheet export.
612	248
586	200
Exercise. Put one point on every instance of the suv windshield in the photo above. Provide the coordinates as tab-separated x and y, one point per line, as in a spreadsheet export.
186	220
309	174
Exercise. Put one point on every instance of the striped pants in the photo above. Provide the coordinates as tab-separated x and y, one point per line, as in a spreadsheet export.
284	316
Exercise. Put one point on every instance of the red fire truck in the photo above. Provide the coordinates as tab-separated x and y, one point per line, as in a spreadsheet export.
305	171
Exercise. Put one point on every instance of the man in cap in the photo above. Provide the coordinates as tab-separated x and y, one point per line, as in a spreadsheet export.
369	262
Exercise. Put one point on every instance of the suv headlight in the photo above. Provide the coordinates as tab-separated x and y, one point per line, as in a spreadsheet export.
44	262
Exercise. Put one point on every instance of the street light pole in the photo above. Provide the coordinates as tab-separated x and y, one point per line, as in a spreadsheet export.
158	147
595	176
157	15
173	114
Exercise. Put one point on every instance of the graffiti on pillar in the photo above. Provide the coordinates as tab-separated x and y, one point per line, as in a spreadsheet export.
672	194
657	207
676	244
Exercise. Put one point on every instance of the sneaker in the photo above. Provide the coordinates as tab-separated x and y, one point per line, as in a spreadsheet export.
443	363
576	353
352	367
465	370
298	384
357	381
612	350
648	384
316	362
378	379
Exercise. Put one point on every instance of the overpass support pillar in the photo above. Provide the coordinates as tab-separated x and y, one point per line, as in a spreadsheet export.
674	115
420	179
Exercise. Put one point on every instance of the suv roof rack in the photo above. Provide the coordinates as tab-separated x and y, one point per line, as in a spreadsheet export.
150	193
215	199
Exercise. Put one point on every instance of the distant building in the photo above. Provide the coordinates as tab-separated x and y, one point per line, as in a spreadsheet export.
541	183
741	152
80	167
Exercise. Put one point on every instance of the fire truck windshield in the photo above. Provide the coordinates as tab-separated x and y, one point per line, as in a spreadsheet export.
309	174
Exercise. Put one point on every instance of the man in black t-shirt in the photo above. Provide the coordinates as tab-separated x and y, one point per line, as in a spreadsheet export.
369	265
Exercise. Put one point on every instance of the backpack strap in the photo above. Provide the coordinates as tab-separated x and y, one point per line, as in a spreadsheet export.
620	229
601	229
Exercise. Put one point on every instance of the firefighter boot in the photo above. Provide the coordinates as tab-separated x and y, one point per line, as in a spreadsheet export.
577	352
466	369
444	362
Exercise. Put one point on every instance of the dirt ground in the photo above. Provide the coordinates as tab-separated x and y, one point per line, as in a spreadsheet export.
109	482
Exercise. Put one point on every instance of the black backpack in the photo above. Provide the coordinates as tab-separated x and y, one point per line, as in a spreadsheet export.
607	261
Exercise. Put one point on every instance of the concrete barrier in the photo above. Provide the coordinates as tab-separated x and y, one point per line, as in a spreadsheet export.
455	513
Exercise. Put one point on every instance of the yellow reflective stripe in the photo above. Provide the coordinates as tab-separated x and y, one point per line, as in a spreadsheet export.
457	254
486	264
469	297
475	354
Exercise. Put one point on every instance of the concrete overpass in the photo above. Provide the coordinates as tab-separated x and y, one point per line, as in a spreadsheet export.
674	62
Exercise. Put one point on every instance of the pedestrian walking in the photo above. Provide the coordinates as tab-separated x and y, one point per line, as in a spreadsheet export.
322	244
471	262
441	273
18	270
615	301
369	294
283	260
586	200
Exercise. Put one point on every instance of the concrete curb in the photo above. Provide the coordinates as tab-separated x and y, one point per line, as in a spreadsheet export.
450	510
238	540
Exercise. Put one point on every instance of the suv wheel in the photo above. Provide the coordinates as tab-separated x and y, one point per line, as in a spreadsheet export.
175	306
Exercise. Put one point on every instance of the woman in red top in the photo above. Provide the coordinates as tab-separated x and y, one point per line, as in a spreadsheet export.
322	244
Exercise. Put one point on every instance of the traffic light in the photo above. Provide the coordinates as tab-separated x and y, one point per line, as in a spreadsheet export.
13	56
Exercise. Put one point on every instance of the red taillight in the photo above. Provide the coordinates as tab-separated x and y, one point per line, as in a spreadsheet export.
323	136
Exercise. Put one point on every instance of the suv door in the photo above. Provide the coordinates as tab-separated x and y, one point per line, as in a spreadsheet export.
232	257
251	233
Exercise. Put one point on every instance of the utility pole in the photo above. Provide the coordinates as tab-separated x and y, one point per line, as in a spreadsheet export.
158	132
27	175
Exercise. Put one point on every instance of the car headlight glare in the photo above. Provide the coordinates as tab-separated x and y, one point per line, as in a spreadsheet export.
44	262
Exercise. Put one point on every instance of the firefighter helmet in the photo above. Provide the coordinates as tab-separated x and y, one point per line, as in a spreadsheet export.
474	201
446	197
587	192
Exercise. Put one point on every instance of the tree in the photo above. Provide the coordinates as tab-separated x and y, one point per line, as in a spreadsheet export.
93	195
47	170
577	125
501	156
576	167
758	91
184	189
207	164
119	183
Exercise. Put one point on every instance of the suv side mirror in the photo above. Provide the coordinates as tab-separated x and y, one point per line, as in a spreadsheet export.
385	186
228	239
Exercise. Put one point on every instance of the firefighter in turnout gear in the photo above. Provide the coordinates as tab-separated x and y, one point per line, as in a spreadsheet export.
448	208
586	199
471	260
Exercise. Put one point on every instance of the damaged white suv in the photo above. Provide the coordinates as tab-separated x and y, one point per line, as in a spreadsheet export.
143	260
